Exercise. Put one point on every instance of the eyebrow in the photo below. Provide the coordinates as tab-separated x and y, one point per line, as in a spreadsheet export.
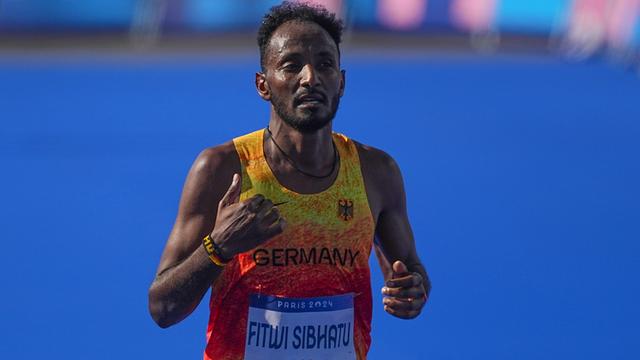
326	53
290	56
295	55
322	53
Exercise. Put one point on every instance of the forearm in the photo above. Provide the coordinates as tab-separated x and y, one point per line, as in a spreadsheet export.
177	291
383	261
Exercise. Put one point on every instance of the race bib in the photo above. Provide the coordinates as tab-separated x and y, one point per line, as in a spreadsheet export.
300	328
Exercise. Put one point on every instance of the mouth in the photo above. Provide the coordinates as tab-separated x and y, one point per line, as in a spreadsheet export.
310	100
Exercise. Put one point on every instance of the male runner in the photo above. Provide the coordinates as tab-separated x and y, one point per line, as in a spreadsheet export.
280	222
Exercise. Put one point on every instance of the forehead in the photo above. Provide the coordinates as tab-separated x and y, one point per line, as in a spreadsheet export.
300	36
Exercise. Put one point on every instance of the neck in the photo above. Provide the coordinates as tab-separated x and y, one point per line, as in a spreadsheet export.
311	151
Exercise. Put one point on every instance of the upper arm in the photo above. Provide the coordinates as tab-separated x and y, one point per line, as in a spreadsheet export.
207	181
387	199
393	229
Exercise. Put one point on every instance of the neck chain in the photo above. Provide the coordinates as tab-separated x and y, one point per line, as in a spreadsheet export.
290	161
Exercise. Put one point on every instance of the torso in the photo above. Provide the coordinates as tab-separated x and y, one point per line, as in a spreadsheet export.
333	219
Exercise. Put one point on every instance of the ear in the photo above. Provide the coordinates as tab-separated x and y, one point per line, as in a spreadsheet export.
262	86
343	80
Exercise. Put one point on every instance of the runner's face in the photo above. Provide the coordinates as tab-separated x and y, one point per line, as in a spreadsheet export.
302	71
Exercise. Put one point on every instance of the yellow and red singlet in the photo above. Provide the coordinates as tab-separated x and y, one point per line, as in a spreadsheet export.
324	251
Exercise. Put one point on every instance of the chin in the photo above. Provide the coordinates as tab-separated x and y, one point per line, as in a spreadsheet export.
306	120
309	124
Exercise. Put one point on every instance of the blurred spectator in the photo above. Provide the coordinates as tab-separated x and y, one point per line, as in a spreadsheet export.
599	25
474	15
402	14
334	6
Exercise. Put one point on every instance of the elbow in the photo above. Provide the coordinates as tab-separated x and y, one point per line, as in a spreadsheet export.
162	323
160	319
159	310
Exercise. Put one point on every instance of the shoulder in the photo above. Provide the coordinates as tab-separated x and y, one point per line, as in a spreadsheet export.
216	158
376	163
212	171
382	178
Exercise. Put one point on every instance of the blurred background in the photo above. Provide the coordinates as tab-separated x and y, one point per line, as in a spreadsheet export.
576	28
515	123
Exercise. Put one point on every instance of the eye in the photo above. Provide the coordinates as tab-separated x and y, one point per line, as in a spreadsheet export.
326	64
291	67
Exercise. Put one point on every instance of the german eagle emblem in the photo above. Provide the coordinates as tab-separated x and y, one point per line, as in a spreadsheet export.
345	209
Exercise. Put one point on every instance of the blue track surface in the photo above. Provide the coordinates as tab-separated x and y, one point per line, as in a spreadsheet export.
522	176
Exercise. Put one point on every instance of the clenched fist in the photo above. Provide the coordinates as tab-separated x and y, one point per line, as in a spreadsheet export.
405	294
242	226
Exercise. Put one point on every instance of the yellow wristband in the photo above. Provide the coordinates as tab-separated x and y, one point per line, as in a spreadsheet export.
216	260
213	251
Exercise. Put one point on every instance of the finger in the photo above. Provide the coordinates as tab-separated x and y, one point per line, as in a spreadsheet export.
402	305
400	268
412	292
402	314
271	216
233	192
276	228
416	303
253	203
411	280
265	206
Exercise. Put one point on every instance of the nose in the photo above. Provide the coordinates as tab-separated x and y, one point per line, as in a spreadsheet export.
309	76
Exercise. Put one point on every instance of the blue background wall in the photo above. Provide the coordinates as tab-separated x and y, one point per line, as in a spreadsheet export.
522	175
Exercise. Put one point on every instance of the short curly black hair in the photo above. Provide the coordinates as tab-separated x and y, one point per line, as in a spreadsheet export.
290	10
